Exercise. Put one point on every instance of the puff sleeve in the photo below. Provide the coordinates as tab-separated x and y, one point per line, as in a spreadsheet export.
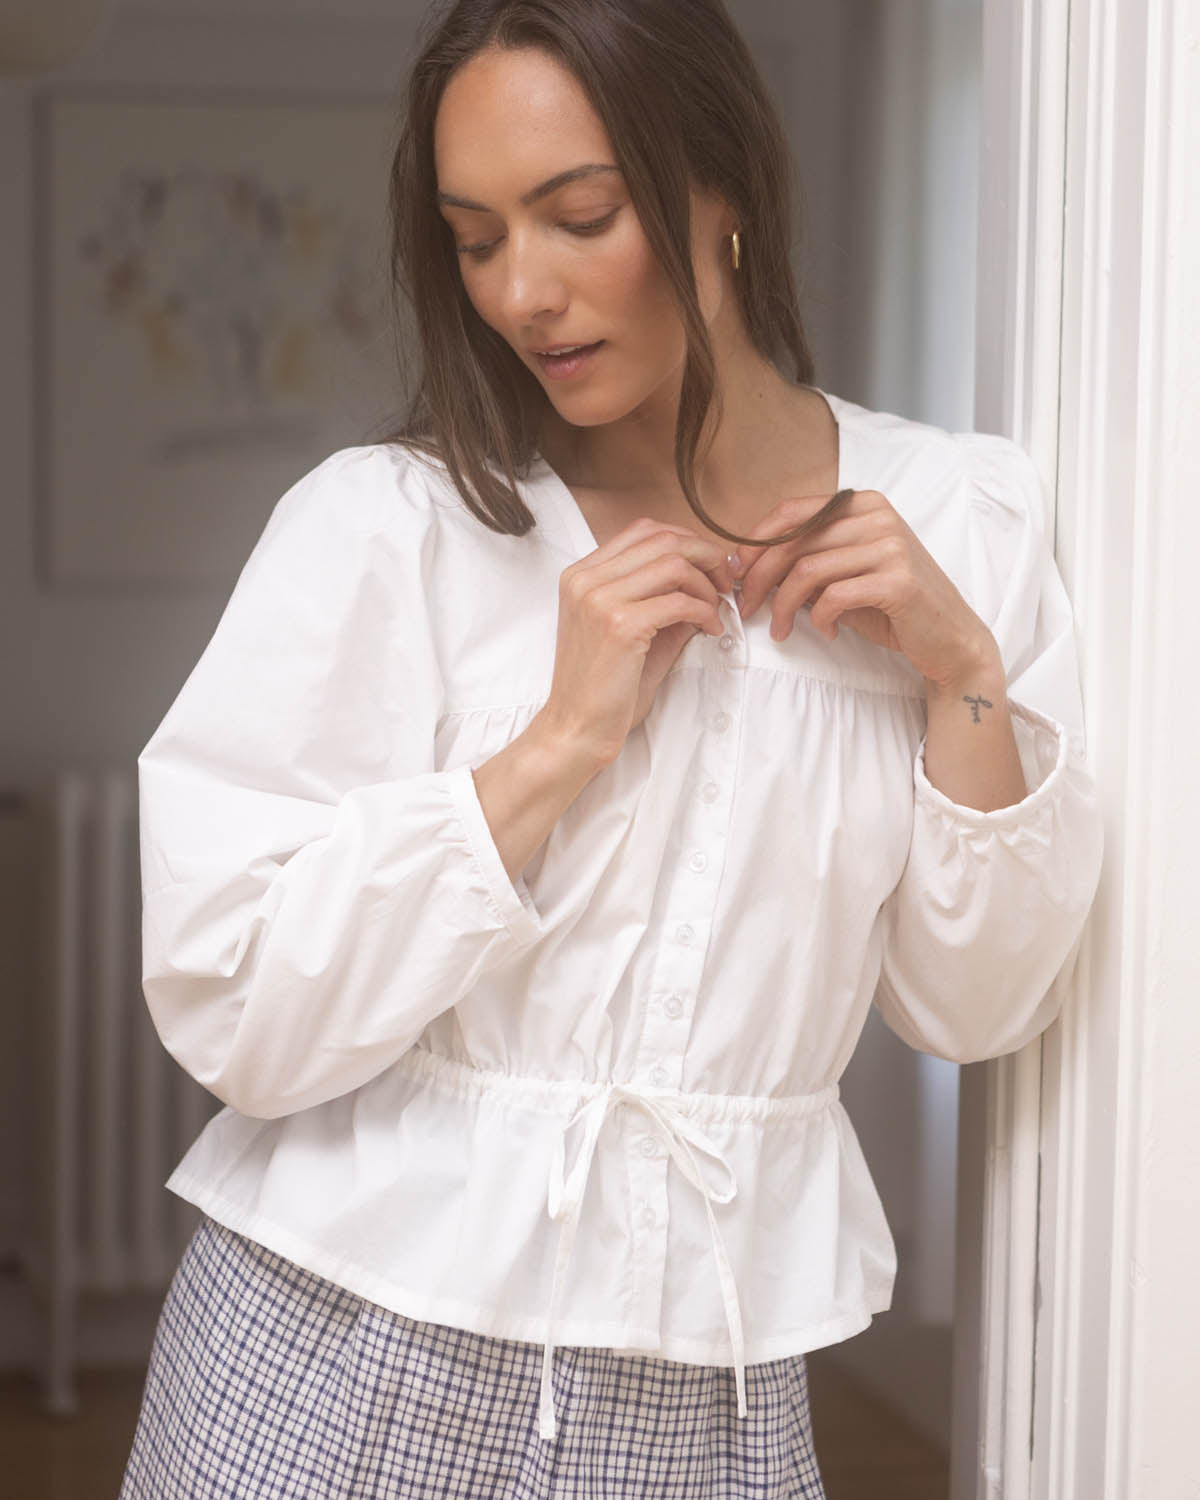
987	916
314	890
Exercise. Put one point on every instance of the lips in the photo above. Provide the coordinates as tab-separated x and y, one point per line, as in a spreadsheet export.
552	350
569	364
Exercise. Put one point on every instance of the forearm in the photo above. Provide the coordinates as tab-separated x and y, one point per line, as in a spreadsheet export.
525	788
970	749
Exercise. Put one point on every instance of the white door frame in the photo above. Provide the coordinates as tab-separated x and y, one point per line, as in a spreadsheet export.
1018	356
1075	1377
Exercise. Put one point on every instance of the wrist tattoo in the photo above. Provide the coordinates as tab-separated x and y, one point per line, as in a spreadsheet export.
976	704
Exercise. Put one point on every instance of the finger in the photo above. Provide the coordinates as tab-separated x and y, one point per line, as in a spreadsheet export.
847	530
783	560
629	536
817	571
645	538
667	573
819	513
845	595
764	567
645	617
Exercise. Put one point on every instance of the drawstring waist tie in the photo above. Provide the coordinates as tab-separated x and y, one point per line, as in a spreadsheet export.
565	1199
682	1138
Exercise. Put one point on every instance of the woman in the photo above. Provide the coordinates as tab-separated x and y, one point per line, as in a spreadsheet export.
525	935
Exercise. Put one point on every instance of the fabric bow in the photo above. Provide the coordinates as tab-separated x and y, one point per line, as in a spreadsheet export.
565	1199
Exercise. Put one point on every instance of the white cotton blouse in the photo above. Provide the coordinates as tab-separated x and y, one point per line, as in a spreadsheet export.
598	1104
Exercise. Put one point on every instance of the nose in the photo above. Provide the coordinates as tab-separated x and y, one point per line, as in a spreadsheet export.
533	284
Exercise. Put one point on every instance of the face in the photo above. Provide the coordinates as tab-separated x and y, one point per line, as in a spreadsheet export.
566	264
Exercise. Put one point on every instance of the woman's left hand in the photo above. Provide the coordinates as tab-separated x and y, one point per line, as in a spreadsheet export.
866	568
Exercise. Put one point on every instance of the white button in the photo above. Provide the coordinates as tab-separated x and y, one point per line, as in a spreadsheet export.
720	722
673	1006
726	642
659	1077
698	861
711	792
684	932
649	1147
649	1217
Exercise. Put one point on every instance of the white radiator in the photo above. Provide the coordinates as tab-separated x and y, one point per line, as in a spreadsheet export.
118	1111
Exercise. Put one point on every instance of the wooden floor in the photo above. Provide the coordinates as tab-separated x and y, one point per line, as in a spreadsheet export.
865	1451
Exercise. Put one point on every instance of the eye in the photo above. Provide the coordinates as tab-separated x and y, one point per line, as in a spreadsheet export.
476	252
594	226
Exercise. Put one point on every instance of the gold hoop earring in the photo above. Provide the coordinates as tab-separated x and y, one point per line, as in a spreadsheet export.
735	249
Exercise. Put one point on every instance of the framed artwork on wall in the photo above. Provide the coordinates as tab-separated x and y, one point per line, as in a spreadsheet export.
213	320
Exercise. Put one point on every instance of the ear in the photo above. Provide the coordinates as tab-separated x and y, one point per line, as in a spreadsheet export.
726	218
719	216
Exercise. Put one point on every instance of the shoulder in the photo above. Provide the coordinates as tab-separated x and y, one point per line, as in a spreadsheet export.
373	506
943	482
974	499
988	465
387	490
359	491
361	514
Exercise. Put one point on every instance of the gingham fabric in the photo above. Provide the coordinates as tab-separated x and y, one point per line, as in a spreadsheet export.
267	1382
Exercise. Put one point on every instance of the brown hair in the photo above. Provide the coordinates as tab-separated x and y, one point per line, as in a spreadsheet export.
683	104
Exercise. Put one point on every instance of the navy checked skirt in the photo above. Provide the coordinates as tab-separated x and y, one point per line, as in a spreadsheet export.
267	1382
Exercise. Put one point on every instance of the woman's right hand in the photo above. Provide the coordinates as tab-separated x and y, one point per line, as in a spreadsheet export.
625	612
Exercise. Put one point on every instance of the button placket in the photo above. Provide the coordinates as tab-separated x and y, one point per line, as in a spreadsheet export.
647	1178
687	921
669	1005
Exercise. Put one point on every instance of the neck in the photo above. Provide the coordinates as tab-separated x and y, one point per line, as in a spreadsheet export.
767	426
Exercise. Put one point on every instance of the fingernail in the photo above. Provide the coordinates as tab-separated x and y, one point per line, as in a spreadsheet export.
735	564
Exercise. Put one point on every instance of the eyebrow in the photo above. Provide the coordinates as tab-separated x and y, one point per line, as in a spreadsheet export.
551	184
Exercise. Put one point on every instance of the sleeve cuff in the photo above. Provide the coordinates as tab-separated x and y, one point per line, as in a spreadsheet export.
511	899
1043	745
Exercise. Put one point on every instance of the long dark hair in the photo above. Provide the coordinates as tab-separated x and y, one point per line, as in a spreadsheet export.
683	104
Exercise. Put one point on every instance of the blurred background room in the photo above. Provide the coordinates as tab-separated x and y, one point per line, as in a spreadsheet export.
194	313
